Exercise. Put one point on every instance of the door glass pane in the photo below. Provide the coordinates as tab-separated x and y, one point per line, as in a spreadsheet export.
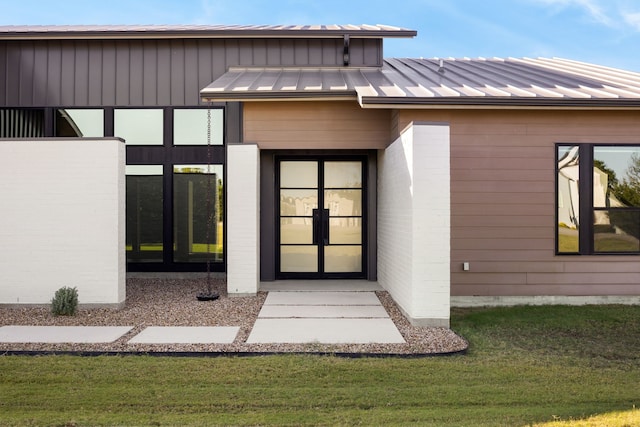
298	202
190	127
345	231
343	174
197	214
80	123
139	126
343	202
298	174
296	230
144	213
298	259
616	230
342	259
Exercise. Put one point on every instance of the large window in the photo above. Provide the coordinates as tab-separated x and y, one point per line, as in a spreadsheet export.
197	126
139	126
598	189
174	201
74	122
144	213
197	213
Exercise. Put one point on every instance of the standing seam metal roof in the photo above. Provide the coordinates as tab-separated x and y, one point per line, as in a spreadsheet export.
18	32
435	81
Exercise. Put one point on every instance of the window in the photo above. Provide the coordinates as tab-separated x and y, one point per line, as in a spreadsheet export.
79	123
191	126
197	213
139	126
144	241
22	123
598	189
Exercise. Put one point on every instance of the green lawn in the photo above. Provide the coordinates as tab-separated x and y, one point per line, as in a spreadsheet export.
526	366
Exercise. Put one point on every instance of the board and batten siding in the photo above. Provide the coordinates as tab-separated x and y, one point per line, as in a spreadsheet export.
503	202
315	125
150	72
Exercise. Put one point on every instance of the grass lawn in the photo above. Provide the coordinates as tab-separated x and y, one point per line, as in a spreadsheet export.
541	366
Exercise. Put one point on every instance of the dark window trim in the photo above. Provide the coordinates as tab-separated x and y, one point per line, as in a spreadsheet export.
166	155
585	192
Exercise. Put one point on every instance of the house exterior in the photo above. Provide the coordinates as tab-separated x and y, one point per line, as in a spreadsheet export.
299	152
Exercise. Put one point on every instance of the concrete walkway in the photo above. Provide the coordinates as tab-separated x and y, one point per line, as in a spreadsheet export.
321	316
336	312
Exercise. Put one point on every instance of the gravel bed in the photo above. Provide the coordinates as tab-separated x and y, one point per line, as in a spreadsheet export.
164	302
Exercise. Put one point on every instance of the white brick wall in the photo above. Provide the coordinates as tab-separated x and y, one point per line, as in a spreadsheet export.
414	223
62	220
243	218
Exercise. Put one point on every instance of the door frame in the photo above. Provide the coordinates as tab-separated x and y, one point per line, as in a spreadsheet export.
269	241
321	274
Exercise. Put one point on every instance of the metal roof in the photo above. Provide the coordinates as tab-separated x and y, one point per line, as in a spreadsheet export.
437	82
21	32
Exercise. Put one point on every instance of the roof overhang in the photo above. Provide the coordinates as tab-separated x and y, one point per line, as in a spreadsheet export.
371	88
83	32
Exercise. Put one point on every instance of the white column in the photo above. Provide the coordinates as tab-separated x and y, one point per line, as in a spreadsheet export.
414	223
243	219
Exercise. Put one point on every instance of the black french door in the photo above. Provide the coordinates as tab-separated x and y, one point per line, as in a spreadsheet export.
321	217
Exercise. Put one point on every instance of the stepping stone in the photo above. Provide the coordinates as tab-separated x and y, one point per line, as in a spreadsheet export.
186	335
325	331
62	334
320	311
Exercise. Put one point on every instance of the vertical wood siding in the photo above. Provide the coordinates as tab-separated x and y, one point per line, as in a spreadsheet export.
503	202
81	73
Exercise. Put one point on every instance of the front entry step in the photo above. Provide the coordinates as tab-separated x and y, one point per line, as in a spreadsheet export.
324	317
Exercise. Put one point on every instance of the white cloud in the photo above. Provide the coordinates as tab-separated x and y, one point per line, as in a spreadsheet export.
611	13
592	8
632	19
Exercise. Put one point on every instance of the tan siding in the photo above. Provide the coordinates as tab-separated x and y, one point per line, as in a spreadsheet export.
503	202
315	125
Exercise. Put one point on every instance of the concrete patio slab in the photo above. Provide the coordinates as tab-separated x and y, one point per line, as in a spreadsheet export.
322	298
186	335
326	311
61	334
325	331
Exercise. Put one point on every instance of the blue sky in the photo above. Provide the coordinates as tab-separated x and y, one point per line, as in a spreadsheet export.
605	32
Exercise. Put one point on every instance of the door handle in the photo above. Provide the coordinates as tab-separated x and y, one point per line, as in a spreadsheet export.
325	227
316	226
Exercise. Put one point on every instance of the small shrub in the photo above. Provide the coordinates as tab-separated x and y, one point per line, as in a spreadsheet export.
65	302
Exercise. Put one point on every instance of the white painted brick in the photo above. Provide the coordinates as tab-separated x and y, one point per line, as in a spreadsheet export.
62	220
243	206
414	221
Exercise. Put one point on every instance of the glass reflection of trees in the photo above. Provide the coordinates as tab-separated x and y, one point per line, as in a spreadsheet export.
616	201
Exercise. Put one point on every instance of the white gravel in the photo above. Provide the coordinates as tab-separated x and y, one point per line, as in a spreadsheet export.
164	302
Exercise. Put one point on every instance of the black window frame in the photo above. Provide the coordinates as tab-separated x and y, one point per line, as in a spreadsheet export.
166	155
586	206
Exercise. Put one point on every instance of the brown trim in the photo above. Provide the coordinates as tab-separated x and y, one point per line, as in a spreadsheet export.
495	102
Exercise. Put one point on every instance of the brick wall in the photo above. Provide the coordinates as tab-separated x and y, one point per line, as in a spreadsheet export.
414	223
243	218
62	220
